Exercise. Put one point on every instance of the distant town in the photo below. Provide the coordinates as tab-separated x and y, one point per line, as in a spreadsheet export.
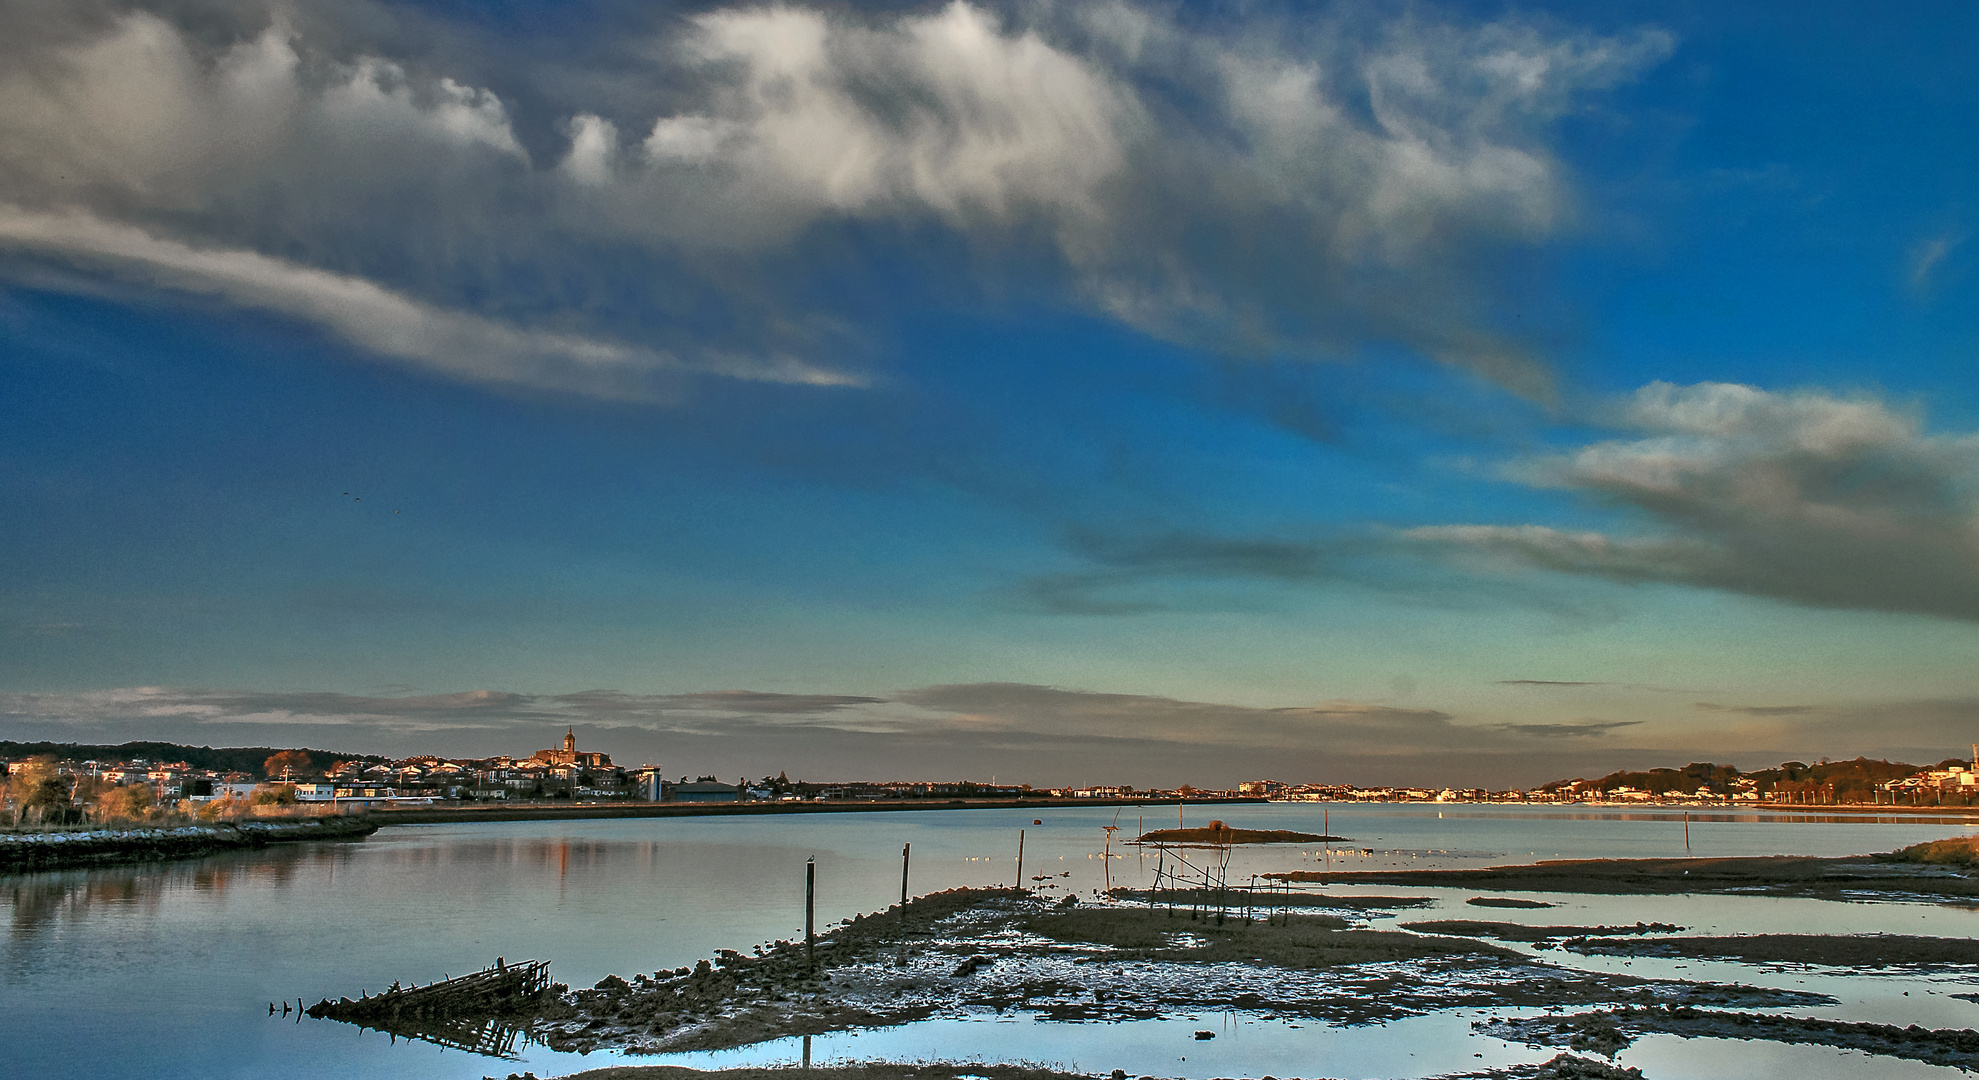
64	785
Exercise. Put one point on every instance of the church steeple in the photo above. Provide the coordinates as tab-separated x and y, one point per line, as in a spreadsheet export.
570	741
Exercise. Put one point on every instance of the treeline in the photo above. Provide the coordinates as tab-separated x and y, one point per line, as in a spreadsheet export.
241	759
1854	780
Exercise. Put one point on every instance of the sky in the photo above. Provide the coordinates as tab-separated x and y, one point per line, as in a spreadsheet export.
1064	393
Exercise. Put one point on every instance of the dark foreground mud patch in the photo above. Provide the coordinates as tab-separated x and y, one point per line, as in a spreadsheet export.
876	1070
1563	1067
1262	900
969	953
1516	932
1864	878
1608	1031
1827	950
1217	834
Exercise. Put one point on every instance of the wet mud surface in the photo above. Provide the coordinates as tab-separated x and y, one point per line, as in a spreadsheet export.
1517	932
1187	898
1607	1031
1858	878
872	1070
1213	836
975	952
1562	1067
1826	950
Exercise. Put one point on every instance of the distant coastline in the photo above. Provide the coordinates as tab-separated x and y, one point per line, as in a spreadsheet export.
431	815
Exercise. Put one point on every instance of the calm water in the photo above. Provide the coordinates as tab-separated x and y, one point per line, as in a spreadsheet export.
167	971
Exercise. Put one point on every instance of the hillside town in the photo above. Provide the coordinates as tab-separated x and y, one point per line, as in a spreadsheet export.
62	788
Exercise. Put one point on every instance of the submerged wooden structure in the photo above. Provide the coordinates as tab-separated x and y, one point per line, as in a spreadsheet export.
484	1012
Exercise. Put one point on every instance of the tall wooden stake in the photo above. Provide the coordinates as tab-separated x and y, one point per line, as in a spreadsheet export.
903	873
1686	832
810	913
1020	858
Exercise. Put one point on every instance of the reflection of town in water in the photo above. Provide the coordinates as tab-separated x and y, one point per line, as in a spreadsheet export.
39	901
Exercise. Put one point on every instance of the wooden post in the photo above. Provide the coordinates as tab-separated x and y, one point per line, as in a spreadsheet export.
810	913
1686	832
903	873
1020	858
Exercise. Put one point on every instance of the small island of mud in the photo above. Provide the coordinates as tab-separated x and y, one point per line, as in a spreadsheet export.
1517	932
1891	876
1823	950
984	951
978	952
1217	834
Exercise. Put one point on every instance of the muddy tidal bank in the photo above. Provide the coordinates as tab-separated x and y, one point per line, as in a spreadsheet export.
25	852
1857	878
974	952
1561	1067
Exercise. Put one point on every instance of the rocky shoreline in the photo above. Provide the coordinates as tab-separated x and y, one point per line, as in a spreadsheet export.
28	852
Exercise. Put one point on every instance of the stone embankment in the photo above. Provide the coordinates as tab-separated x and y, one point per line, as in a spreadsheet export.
22	852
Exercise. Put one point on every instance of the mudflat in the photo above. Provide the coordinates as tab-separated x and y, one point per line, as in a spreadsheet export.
1859	877
1517	932
972	952
1827	950
1214	834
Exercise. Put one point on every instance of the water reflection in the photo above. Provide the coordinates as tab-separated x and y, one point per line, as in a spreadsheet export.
418	902
490	1036
38	902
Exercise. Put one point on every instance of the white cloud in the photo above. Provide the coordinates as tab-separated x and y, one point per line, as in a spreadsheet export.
1928	255
1276	186
456	343
1805	497
1229	190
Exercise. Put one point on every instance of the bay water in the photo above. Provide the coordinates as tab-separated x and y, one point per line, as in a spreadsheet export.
167	970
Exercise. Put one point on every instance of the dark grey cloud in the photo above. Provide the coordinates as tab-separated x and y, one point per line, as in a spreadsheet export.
1129	576
1135	573
1347	726
656	197
1757	710
1035	734
1808	498
1577	729
743	702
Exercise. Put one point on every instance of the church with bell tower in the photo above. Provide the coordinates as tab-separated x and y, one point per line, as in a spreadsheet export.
570	755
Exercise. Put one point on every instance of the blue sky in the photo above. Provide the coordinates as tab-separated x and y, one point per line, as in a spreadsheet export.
1070	392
